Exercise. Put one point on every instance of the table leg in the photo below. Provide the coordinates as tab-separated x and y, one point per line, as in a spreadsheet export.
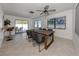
46	42
46	45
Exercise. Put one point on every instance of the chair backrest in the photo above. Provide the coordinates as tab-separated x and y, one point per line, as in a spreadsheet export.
29	33
44	29
37	37
50	30
40	28
34	35
40	38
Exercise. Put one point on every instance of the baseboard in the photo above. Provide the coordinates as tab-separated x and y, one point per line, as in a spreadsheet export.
62	37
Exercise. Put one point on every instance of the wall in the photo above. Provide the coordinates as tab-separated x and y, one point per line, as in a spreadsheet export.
75	35
13	18
1	26
67	33
77	20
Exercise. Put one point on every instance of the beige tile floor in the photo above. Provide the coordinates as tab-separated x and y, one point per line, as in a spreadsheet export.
21	47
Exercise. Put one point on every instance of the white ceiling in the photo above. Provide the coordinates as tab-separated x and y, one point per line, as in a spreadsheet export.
22	9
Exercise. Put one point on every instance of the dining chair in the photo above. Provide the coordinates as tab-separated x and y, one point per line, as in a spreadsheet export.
39	38
44	28
29	33
50	30
40	28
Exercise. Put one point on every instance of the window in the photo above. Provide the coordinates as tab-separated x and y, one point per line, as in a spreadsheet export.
38	24
21	25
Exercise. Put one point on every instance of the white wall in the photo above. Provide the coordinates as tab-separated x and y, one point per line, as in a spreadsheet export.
64	33
13	18
1	26
75	36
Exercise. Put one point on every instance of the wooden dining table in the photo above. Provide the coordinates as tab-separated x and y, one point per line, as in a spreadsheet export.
46	34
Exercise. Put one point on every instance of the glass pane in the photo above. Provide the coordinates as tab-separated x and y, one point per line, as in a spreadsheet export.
36	24
51	23
21	26
25	27
39	23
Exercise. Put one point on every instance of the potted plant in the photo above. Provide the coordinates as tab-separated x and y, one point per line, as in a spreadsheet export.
7	22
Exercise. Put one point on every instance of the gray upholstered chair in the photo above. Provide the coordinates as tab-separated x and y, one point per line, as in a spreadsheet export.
50	30
44	28
29	33
40	28
39	38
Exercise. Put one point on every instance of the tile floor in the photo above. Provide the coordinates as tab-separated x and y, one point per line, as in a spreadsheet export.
20	46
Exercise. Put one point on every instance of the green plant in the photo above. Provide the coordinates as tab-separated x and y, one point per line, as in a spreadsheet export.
7	22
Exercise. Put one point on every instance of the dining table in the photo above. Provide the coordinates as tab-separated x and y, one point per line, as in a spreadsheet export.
46	34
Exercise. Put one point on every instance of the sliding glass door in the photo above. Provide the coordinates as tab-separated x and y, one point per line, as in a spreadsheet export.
21	26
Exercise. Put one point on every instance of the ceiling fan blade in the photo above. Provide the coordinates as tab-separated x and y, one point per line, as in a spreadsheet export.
46	7
41	13
52	10
46	13
31	12
39	10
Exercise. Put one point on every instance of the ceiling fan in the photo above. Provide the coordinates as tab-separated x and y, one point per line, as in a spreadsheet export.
46	10
32	12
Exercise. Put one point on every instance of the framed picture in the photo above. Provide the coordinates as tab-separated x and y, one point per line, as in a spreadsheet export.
61	23
57	23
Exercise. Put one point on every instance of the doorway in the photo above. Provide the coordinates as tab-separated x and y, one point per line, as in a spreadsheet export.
21	26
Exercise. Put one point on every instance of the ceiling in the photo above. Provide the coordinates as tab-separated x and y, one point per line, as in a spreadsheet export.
22	9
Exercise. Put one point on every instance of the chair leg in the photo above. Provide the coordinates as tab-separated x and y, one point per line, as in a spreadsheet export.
34	44
39	48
